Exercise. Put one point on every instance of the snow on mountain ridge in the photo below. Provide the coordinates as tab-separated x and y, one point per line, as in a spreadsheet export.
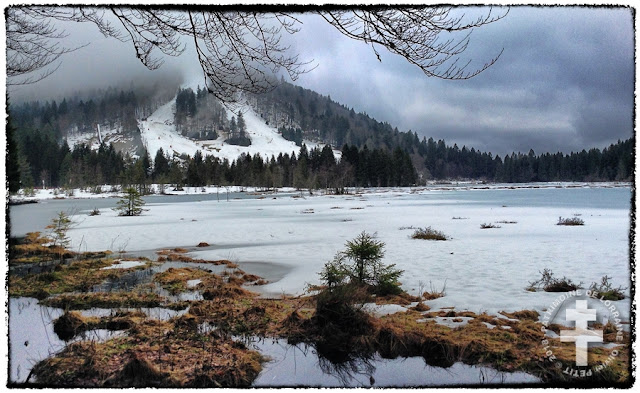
159	131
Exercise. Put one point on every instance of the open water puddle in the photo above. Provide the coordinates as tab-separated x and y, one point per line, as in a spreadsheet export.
32	338
300	366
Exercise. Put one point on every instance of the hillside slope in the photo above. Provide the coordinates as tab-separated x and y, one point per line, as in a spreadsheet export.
159	131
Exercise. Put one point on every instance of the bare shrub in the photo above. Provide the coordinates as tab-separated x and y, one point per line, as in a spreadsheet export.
606	291
428	233
549	283
573	221
434	293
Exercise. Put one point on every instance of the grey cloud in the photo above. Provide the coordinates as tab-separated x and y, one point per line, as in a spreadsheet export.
97	62
565	80
568	70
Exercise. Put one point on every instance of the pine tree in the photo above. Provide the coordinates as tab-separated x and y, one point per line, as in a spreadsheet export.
233	126
131	204
366	268
12	160
242	126
59	226
176	176
160	165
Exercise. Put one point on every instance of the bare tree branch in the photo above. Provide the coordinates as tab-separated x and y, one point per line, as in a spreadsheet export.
33	45
416	34
240	51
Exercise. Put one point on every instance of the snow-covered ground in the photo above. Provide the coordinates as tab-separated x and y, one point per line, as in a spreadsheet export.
159	131
482	269
108	191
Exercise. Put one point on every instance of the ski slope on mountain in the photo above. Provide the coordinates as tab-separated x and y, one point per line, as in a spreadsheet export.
159	131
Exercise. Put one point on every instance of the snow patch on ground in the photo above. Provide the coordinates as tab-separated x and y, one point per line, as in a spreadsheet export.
107	191
193	283
452	322
383	309
123	265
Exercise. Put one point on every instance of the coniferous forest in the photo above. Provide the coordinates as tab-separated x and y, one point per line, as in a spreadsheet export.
373	153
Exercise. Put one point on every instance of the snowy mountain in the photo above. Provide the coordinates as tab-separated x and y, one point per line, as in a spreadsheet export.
159	131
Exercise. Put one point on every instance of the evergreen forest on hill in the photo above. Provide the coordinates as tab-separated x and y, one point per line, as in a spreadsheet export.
374	153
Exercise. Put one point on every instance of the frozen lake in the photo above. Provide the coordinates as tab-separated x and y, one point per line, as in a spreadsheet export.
483	269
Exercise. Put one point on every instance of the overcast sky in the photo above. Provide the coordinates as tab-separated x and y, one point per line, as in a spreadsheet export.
564	82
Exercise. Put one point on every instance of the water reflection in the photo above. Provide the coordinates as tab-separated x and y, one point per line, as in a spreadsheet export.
301	365
349	369
32	339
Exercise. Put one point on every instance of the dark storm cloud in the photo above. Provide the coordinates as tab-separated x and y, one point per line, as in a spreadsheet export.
563	83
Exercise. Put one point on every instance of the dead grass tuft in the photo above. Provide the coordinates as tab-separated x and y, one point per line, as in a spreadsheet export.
550	283
77	276
237	281
153	354
522	315
421	307
227	291
36	248
175	279
68	325
139	372
85	301
572	221
428	234
402	299
250	277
